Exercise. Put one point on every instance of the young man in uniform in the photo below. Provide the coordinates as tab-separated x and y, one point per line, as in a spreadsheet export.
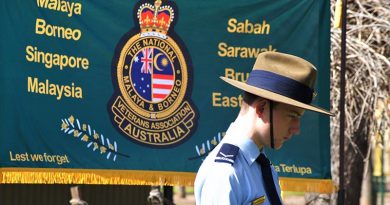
278	91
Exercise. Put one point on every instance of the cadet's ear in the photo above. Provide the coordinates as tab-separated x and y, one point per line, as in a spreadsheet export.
260	107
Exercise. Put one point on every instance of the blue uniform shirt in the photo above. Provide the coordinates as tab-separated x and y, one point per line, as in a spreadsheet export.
232	177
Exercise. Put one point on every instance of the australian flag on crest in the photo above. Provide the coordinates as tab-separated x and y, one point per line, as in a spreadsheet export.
152	74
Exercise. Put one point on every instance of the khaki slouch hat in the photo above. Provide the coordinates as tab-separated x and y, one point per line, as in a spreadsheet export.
282	78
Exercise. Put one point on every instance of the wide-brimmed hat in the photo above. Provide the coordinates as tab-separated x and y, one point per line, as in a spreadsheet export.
282	78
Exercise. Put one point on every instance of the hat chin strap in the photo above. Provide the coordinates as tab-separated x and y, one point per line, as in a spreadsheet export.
271	124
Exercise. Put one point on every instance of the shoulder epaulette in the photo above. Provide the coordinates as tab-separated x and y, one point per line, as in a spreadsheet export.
227	153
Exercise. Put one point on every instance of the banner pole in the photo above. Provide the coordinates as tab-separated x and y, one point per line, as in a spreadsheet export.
341	192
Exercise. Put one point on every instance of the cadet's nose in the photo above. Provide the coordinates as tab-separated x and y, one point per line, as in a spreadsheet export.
295	129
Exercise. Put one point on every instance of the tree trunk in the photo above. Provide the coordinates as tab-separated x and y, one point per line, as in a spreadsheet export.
355	153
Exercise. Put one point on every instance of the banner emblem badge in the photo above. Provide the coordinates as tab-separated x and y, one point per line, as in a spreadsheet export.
151	73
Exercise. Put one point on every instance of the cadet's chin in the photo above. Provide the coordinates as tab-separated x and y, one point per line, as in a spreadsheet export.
277	146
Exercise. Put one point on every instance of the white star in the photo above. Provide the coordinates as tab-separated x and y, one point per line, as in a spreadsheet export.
143	91
142	78
136	59
135	84
147	85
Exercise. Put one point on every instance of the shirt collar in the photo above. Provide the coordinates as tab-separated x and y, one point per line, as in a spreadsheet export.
247	146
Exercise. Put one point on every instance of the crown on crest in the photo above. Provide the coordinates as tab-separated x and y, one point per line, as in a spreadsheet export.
155	20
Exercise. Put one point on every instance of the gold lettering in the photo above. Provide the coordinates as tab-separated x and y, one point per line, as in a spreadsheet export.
224	101
224	50
239	76
61	5
247	27
47	88
54	59
42	28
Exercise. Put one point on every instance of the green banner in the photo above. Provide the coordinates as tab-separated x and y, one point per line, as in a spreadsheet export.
128	92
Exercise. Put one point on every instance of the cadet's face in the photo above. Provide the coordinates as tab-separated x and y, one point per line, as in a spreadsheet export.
286	123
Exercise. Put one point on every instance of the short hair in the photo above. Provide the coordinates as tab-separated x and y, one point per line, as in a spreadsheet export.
249	98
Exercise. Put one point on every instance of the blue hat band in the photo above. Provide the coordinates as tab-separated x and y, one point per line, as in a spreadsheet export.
280	85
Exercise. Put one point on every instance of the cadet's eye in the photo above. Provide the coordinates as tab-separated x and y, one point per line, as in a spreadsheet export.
294	116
